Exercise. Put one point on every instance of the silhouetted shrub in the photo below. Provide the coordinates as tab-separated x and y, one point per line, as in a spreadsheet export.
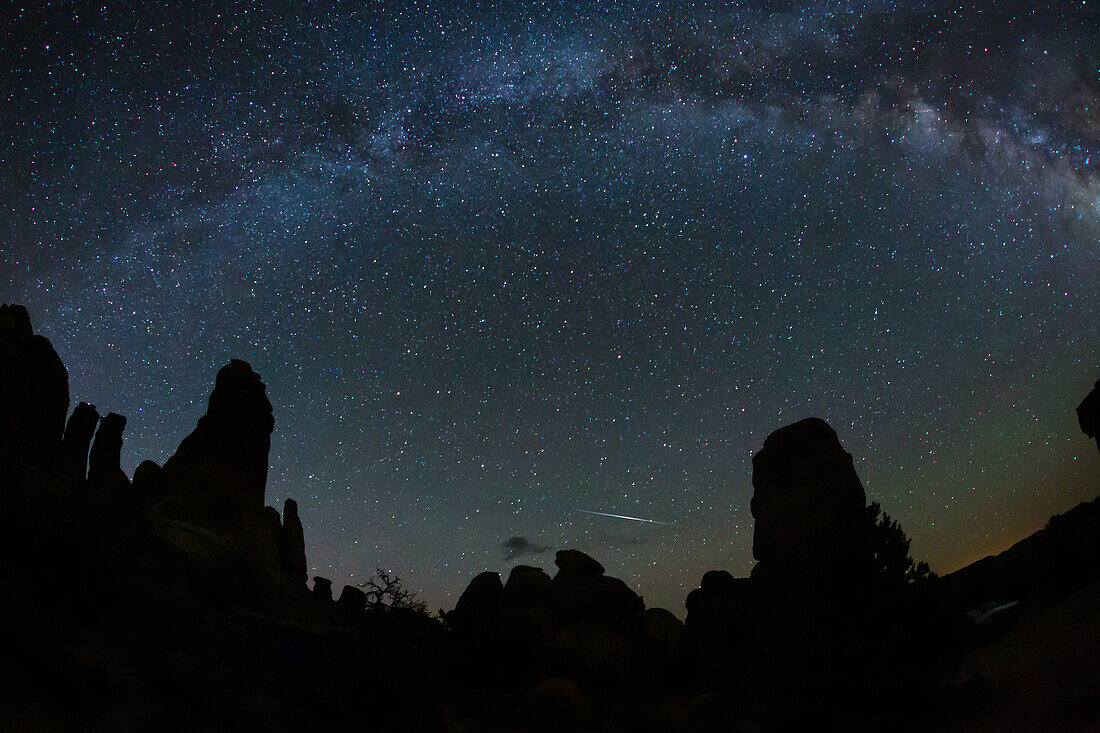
387	593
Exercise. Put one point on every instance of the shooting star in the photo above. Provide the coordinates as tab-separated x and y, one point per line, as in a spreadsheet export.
623	516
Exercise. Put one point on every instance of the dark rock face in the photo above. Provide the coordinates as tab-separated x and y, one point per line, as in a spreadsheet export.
1088	414
479	604
108	486
104	462
525	602
600	621
73	461
719	618
148	484
575	562
527	586
34	389
292	545
322	589
580	620
207	508
1058	559
582	593
662	628
807	500
352	599
223	463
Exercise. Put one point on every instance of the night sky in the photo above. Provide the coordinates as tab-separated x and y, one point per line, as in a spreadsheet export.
502	267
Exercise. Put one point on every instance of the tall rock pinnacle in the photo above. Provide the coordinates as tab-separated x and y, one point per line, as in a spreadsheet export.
807	499
34	389
223	462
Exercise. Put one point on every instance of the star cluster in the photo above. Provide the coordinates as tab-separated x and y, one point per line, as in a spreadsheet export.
501	264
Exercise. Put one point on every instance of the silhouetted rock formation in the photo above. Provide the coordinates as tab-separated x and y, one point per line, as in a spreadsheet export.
1058	559
108	486
222	464
72	463
662	628
292	545
352	600
574	563
193	611
599	621
322	589
807	501
479	605
147	485
527	586
207	518
104	461
34	389
580	620
1088	414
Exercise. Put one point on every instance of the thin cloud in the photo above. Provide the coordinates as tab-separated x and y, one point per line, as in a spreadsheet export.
515	547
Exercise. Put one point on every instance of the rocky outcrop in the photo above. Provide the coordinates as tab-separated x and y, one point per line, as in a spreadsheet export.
599	621
662	628
207	515
34	392
580	620
148	484
322	589
479	605
582	594
292	545
809	507
577	564
1088	414
104	461
720	619
108	486
72	463
807	501
352	600
222	465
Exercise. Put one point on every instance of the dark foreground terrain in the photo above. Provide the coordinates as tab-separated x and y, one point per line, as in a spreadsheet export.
176	600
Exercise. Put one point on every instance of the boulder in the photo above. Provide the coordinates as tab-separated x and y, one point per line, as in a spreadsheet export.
352	599
662	628
557	704
322	589
575	562
598	621
582	593
148	485
479	605
525	601
807	501
527	586
720	618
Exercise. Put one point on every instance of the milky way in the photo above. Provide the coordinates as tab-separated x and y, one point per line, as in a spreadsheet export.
495	264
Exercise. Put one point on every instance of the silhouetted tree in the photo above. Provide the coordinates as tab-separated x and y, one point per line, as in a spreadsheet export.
387	593
888	550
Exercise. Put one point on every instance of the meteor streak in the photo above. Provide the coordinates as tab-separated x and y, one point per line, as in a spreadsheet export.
622	516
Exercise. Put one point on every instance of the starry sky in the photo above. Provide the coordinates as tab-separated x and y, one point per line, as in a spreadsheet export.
503	265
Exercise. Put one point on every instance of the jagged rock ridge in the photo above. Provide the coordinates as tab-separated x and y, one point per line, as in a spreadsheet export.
199	522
